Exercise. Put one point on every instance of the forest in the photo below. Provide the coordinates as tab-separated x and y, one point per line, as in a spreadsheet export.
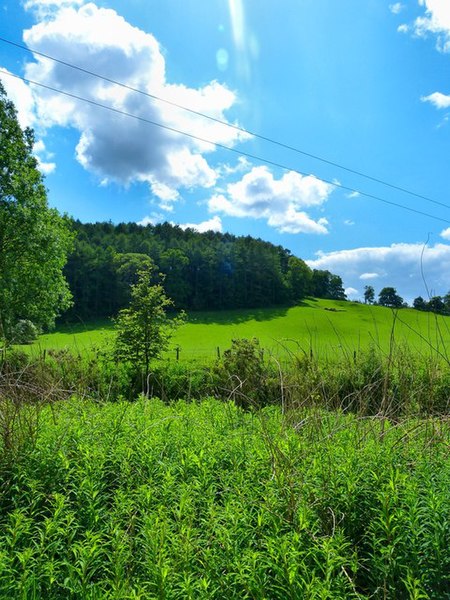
198	270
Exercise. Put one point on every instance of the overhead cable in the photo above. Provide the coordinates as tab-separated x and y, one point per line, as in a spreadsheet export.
222	146
225	123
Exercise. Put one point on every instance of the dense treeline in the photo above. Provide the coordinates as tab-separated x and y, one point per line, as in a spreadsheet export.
201	270
436	304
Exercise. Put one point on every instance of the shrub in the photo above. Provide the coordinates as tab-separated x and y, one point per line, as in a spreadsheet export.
24	332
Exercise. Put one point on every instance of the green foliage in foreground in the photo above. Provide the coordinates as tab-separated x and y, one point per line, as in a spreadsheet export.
146	500
397	385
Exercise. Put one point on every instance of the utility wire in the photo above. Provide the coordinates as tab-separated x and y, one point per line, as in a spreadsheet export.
231	125
223	146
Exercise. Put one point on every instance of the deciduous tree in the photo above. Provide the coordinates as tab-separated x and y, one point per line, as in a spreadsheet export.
144	329
34	239
389	297
369	294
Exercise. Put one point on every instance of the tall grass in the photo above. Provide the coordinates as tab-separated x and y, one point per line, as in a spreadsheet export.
208	500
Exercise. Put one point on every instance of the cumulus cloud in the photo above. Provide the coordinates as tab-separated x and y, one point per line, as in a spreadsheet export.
436	20
438	100
367	276
115	147
281	202
398	265
445	234
213	224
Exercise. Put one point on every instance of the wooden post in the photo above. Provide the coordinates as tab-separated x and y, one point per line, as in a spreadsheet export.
178	352
218	352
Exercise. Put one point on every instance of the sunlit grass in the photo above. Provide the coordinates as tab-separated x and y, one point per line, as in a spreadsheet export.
327	327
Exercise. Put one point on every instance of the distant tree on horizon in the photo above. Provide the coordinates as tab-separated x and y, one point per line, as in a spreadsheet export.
419	303
389	297
369	294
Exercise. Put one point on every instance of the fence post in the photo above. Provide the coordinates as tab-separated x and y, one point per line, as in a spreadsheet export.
177	349
218	352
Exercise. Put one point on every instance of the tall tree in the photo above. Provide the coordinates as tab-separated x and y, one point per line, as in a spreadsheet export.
420	304
389	297
369	294
436	304
34	239
299	278
143	330
326	285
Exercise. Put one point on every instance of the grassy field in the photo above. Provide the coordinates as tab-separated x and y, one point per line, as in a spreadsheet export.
328	327
204	500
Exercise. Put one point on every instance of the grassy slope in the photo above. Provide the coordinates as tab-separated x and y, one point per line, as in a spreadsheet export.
346	327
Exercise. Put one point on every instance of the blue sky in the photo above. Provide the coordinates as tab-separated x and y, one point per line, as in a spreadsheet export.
361	83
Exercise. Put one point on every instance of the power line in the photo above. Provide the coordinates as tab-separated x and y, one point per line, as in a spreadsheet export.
231	125
222	146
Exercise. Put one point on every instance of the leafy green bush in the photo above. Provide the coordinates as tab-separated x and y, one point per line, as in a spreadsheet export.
244	375
24	332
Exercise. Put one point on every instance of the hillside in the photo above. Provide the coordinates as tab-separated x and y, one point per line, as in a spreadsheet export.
329	327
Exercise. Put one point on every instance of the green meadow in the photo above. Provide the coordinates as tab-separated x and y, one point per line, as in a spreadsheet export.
327	327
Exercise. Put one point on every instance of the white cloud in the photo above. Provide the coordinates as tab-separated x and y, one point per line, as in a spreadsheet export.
438	100
43	8
242	165
351	292
354	194
46	167
396	8
445	234
403	28
19	93
213	224
436	20
367	276
152	219
279	201
349	222
115	147
398	265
